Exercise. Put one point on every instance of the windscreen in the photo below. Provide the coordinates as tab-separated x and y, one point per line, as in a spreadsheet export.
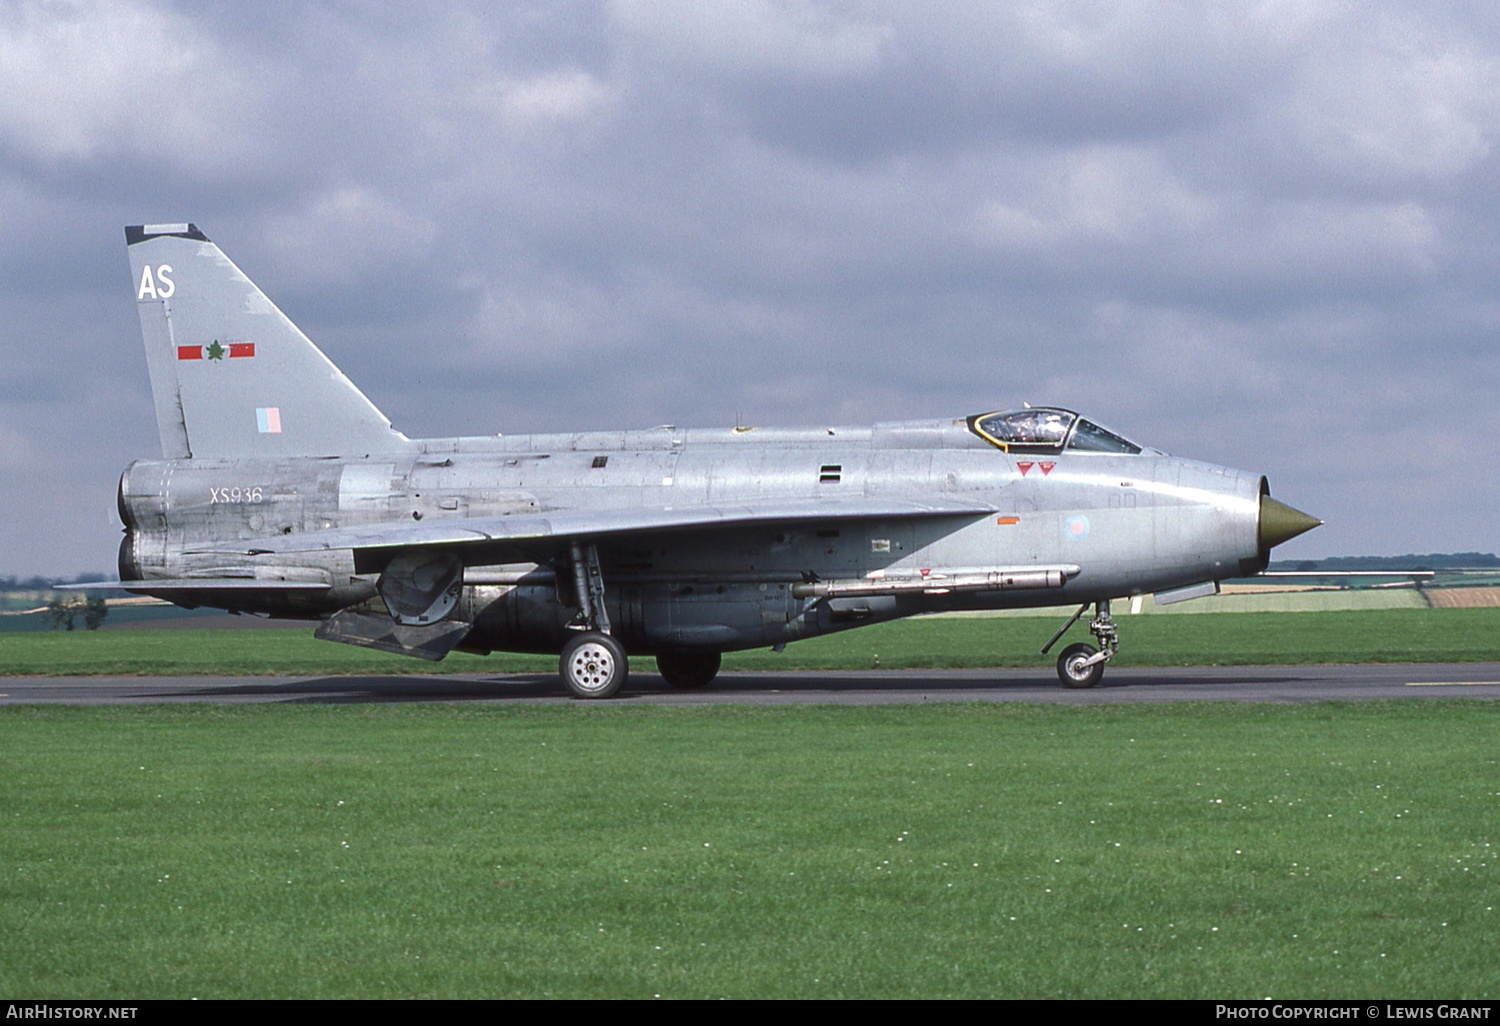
1093	438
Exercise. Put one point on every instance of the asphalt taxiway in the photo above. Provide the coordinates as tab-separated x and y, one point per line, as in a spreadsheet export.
832	687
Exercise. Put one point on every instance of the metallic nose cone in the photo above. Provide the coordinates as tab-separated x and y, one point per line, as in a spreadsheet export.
1280	522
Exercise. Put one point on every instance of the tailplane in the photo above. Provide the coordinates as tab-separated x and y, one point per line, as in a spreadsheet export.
231	375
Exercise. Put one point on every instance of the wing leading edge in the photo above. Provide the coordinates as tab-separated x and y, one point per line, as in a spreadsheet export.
598	524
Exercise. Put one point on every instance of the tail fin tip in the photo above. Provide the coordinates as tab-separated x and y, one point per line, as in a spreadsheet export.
135	233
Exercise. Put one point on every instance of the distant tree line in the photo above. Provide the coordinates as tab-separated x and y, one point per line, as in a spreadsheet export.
1428	561
43	583
63	614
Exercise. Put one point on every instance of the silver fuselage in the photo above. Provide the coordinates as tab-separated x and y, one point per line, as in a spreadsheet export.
1101	526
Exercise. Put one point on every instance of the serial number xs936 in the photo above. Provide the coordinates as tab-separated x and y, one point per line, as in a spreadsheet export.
235	493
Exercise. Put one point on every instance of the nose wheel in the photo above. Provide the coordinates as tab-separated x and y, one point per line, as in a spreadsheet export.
1082	666
1076	668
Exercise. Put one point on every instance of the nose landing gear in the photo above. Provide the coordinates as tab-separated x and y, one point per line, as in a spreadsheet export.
1082	666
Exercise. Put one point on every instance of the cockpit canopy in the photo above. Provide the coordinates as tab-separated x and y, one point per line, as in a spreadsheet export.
1043	429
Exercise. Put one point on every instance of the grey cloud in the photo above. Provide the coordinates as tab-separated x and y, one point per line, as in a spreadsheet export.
1261	234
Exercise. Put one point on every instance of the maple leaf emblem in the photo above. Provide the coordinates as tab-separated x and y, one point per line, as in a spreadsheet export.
214	351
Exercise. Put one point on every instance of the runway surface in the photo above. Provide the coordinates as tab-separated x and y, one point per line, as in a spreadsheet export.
1122	684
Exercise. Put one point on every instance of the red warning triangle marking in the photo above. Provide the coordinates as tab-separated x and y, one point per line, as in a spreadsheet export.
1023	466
1046	467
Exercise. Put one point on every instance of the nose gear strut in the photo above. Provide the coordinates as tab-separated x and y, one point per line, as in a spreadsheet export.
1082	666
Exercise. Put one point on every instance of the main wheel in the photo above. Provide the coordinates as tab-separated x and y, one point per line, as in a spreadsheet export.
593	665
1072	672
688	669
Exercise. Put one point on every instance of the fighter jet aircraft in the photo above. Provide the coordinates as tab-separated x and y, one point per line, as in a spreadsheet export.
282	490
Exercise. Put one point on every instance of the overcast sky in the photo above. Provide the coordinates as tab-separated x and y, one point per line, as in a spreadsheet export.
1260	234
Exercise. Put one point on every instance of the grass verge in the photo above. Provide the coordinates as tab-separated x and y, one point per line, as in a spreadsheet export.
1223	851
1384	635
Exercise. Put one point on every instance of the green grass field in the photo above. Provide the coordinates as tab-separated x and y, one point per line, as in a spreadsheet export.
597	850
1383	635
603	851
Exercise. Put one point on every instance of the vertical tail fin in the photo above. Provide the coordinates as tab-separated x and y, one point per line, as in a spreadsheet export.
231	375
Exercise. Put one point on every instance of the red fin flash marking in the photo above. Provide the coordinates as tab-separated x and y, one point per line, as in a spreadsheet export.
216	351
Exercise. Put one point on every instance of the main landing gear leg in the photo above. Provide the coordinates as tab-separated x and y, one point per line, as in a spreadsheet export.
593	662
1082	666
